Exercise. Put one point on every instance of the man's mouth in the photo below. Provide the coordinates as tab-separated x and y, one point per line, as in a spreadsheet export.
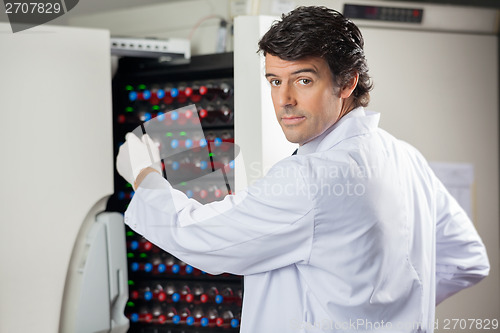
292	120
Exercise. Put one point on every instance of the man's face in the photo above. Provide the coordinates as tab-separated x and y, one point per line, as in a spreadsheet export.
306	100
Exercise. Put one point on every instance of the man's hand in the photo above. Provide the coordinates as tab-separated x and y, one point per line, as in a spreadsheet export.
135	155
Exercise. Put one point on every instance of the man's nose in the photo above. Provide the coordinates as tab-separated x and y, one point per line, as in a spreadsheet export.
286	96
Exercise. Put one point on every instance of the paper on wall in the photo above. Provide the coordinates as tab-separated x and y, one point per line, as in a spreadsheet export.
458	178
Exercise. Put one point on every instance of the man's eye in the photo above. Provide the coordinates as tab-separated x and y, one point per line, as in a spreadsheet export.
305	81
274	83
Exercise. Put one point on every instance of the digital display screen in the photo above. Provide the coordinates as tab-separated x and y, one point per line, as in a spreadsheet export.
379	13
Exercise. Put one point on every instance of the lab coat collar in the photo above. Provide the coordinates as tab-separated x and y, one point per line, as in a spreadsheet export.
357	122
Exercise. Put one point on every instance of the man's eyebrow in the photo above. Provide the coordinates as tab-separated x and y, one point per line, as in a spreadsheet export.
306	70
302	70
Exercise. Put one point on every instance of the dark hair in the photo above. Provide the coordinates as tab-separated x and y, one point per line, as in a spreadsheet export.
322	32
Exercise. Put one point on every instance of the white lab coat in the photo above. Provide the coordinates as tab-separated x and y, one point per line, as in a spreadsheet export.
353	234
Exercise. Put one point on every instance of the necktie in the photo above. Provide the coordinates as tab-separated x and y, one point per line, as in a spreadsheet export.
295	152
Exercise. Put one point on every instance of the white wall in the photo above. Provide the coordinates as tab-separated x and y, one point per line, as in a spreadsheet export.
56	147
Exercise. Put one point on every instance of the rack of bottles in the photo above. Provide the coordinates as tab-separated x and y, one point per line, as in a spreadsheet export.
166	294
169	293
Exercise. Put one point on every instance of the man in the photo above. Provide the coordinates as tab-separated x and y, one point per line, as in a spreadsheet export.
363	238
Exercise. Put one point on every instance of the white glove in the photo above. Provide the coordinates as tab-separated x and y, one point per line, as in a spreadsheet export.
135	155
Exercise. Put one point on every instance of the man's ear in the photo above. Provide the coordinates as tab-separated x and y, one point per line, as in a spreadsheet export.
350	86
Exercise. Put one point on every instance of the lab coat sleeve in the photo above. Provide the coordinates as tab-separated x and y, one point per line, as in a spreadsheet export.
461	259
268	226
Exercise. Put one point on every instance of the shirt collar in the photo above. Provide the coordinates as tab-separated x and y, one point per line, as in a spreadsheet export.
356	122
